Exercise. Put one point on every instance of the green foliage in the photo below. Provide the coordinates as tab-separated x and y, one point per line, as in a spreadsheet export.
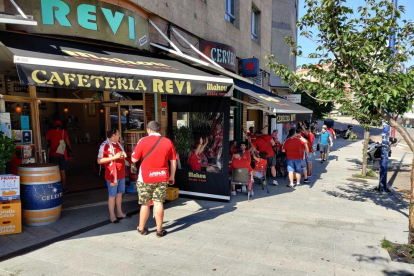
386	244
355	64
371	173
320	110
183	139
7	150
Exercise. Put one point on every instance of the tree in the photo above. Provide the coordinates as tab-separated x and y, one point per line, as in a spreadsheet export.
320	110
366	121
354	46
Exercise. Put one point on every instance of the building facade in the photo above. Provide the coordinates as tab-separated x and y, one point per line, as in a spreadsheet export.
284	18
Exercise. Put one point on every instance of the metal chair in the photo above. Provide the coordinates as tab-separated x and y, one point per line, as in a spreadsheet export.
241	177
263	179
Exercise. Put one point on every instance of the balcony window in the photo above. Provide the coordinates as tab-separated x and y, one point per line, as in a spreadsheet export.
231	11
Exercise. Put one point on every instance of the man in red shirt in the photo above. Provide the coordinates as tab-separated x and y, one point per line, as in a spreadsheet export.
246	153
265	143
308	135
154	175
112	156
260	165
58	141
295	149
239	162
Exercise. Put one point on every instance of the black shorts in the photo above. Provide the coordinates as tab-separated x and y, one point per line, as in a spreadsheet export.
271	161
59	160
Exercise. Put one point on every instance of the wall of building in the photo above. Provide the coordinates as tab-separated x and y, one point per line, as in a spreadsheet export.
285	14
205	19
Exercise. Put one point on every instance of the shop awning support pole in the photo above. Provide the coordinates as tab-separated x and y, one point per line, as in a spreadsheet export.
156	106
195	49
18	9
34	113
107	97
118	105
165	37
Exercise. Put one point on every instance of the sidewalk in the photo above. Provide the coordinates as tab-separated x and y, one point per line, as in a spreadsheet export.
333	226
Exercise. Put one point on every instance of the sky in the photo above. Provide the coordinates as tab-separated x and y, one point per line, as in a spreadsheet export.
309	47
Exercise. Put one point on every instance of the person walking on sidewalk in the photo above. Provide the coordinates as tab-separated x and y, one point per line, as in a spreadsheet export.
308	135
325	139
295	149
112	156
154	175
59	143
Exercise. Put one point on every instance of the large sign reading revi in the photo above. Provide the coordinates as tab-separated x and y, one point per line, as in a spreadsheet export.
92	19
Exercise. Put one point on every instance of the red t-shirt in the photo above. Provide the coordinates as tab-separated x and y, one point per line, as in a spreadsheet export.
104	151
294	147
332	131
195	162
259	164
246	156
263	144
54	136
310	139
240	164
252	136
155	166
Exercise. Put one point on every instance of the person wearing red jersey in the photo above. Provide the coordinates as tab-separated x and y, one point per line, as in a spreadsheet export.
260	165
154	151
295	149
246	153
265	143
112	156
58	141
196	157
239	163
308	135
251	134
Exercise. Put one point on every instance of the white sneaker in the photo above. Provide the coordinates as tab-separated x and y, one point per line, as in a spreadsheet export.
233	192
275	183
244	190
291	186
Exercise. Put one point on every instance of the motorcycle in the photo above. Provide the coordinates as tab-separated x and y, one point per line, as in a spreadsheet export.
375	149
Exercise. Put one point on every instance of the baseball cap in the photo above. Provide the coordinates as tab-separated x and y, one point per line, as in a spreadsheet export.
57	123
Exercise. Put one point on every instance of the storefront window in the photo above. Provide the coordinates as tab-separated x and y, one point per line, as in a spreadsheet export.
132	118
198	139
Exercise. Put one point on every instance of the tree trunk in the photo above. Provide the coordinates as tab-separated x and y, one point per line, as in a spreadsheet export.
411	211
410	142
364	151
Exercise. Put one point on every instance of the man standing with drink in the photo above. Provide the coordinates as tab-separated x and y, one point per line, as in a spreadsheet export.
112	156
154	175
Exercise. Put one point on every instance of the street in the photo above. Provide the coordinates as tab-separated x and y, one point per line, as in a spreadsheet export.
333	226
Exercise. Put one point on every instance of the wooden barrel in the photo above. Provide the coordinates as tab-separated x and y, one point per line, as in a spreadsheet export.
41	193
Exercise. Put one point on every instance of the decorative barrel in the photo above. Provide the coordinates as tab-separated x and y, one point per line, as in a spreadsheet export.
41	193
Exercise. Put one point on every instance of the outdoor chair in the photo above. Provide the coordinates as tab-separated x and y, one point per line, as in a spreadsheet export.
241	177
263	179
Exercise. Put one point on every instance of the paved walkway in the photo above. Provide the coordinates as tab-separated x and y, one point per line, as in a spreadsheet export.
331	227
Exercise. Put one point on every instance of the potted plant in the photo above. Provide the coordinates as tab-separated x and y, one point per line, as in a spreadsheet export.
183	143
7	150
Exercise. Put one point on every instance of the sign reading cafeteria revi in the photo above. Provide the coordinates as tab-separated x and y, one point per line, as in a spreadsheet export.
92	19
224	55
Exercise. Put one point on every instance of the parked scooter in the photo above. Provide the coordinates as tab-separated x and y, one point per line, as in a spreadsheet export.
375	149
345	134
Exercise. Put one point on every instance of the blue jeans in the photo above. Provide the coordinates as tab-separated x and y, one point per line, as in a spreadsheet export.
294	165
114	190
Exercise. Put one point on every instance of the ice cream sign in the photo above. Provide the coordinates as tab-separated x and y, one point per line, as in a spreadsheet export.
92	19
